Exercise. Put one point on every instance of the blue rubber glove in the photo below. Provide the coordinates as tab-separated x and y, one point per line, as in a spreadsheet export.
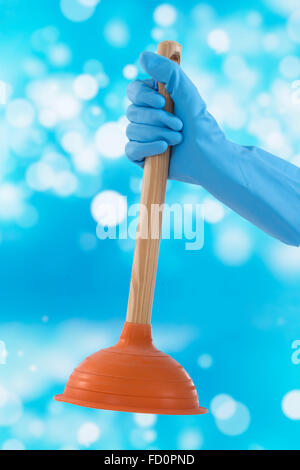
262	188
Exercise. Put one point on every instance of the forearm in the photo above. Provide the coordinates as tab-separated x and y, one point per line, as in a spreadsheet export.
262	188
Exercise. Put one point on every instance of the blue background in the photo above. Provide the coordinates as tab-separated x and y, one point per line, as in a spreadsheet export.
229	312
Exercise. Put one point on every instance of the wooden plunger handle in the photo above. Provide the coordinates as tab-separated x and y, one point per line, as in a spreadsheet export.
147	243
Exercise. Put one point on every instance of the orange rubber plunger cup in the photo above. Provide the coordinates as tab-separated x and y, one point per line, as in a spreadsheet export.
134	375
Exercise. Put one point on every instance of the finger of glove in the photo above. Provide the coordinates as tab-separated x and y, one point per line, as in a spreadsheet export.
153	117
145	133
141	94
138	151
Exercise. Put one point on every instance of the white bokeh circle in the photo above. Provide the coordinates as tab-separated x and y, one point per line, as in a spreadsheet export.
109	208
165	15
291	405
110	139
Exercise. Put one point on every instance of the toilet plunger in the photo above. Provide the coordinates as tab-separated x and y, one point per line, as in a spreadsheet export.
134	375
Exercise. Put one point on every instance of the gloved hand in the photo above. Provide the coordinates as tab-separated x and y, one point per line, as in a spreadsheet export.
262	188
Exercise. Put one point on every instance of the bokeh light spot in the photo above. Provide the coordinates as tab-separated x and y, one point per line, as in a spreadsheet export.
20	113
130	71
89	3
116	33
40	176
291	405
85	87
3	352
284	261
88	433
109	208
236	424
144	420
87	241
290	67
218	40
213	210
86	160
76	11
11	201
165	14
190	439
65	183
293	26
205	361
59	55
11	407
13	444
223	406
72	141
110	140
233	246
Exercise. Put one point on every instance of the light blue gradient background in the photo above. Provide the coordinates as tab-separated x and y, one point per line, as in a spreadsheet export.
245	315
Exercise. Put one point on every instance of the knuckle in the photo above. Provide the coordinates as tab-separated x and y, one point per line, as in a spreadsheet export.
130	111
132	131
129	131
164	116
129	150
131	88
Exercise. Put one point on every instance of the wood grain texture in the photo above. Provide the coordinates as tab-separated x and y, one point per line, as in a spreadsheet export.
147	243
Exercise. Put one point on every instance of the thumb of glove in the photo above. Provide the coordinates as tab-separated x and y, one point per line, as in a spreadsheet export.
178	85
